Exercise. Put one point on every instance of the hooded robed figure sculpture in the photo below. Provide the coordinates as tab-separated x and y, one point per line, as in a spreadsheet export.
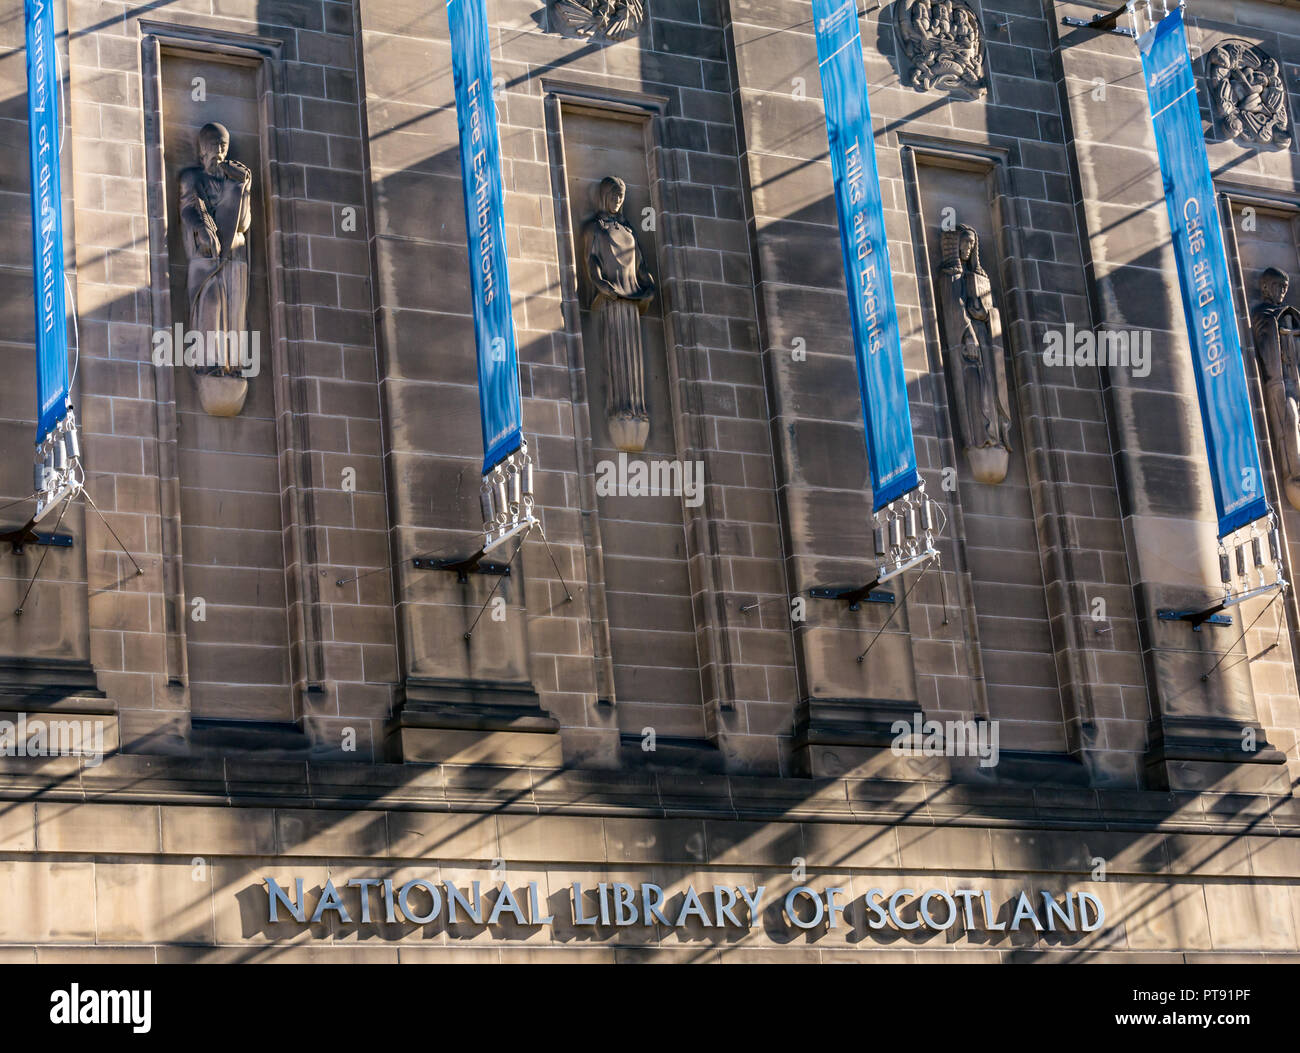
622	289
216	213
1275	326
972	337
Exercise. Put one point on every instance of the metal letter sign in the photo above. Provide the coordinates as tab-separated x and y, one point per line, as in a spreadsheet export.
1203	276
866	254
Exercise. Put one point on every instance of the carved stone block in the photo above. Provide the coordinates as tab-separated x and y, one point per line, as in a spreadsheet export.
944	43
1248	93
611	20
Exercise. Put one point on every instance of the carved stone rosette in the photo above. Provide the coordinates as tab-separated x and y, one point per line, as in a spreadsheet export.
1248	93
944	44
611	20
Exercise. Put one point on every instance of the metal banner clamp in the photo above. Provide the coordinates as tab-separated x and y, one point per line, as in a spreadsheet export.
904	531
57	477
57	473
506	499
1243	568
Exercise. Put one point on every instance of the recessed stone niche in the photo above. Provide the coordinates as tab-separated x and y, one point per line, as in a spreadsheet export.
233	565
1268	238
1001	541
647	582
199	90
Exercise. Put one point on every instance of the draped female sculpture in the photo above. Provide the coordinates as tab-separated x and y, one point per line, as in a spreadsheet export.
622	289
1275	326
972	335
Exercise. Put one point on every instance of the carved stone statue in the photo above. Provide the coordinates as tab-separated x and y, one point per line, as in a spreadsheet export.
943	41
1275	326
1248	92
611	20
972	336
216	213
622	289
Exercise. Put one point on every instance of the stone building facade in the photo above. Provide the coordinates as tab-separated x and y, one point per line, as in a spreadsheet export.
296	686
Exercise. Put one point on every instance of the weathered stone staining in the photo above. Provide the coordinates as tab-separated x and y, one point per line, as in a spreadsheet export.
610	20
943	42
216	214
1248	93
973	356
1275	325
622	289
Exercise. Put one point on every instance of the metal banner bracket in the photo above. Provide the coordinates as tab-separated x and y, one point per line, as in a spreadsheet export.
27	535
1101	23
521	526
854	597
1211	614
1207	616
463	568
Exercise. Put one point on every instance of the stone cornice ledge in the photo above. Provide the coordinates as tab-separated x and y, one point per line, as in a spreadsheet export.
132	779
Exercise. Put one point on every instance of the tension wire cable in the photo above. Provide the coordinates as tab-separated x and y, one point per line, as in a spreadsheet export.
21	500
568	593
433	555
389	566
67	503
1267	607
1277	638
758	603
943	584
139	570
497	584
897	606
746	608
76	332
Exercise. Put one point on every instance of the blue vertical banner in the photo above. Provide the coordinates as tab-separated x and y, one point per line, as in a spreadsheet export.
480	169
43	123
874	318
1203	276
